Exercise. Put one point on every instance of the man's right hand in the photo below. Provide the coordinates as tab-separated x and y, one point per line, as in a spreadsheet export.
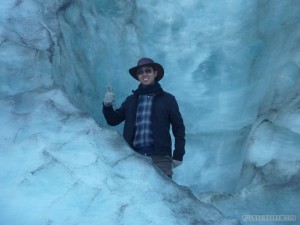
109	97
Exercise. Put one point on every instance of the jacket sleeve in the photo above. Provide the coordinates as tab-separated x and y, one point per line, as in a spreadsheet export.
178	130
113	117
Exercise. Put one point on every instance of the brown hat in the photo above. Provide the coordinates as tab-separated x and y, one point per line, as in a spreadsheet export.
147	62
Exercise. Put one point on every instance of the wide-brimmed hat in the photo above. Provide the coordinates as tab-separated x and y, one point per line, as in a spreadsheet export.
147	62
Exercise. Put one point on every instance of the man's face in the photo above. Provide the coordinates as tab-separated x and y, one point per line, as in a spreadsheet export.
146	75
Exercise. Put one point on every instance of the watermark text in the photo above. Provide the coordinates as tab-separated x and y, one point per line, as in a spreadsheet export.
273	218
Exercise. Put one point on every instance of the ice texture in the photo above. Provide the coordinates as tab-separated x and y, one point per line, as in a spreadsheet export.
59	167
233	67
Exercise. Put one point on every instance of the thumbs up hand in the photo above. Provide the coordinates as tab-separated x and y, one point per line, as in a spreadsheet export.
109	97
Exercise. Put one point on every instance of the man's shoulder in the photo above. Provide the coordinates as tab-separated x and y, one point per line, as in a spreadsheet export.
166	97
167	94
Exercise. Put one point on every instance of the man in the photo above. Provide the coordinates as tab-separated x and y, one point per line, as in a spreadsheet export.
148	114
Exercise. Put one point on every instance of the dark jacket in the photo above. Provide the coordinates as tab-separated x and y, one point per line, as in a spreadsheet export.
165	112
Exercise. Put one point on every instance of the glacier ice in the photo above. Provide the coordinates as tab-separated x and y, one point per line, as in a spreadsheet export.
59	167
233	67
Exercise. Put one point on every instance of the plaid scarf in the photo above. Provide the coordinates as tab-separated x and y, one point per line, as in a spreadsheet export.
143	134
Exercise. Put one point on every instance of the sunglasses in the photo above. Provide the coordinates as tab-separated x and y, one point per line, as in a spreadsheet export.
141	71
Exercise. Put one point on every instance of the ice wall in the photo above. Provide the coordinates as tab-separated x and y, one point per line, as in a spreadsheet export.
57	166
232	65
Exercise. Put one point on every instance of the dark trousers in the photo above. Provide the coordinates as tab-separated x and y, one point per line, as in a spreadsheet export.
164	163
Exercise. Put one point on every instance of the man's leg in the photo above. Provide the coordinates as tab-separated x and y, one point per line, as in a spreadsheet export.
164	163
